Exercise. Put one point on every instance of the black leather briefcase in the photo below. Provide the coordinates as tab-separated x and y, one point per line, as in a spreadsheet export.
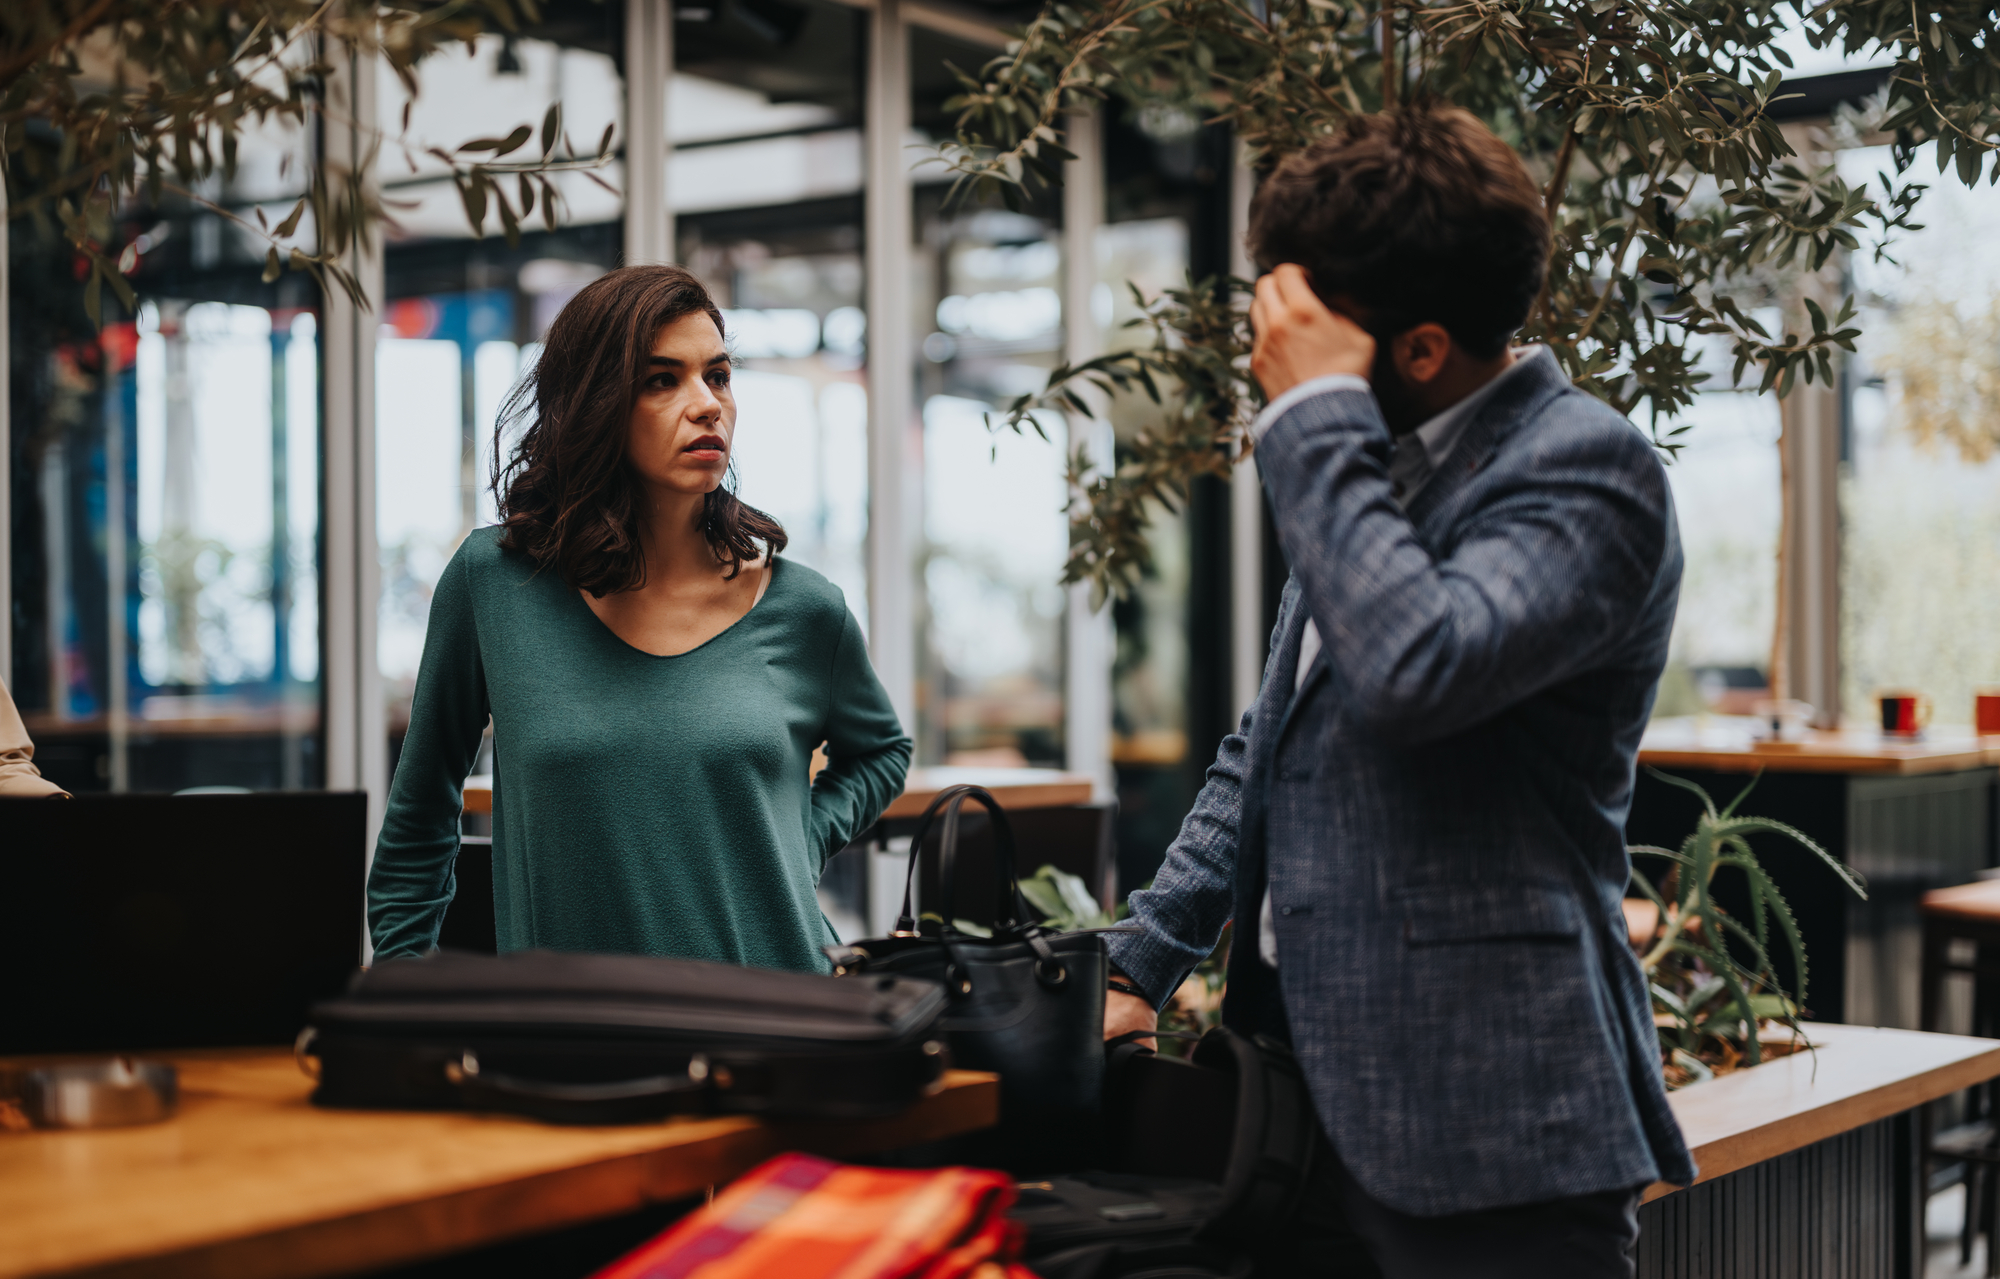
618	1038
1206	1160
1027	1002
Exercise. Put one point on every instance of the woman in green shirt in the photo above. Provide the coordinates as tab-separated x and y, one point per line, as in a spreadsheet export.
657	676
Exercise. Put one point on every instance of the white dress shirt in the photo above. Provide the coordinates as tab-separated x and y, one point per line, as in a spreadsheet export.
1417	457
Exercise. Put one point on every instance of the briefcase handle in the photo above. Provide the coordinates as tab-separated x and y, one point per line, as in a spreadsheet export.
618	1101
1010	908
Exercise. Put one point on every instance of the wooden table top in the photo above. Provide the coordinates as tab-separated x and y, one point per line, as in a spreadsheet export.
1013	787
251	1181
1857	1075
1726	746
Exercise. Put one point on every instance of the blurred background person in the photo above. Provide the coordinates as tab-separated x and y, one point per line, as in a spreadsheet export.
18	775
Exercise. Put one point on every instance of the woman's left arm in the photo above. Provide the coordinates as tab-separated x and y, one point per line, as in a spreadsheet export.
868	755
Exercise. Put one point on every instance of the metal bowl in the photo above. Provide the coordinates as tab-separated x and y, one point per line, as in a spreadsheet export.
111	1093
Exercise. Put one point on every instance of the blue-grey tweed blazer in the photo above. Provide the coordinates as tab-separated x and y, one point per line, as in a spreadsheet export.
1440	809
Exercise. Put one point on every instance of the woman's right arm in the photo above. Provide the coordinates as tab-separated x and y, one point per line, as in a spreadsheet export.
412	880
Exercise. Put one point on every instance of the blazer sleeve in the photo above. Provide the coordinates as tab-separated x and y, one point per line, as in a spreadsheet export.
868	754
1180	916
1544	580
413	878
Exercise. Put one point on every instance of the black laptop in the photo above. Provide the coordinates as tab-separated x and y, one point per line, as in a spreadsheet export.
132	922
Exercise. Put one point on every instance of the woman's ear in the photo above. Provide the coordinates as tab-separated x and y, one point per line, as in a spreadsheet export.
1421	353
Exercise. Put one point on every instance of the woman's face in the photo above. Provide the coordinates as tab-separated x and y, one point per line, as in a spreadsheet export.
685	417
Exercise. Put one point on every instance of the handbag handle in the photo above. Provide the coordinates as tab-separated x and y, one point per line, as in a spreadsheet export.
951	799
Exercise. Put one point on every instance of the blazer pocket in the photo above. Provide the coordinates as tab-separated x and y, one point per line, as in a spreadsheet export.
1489	912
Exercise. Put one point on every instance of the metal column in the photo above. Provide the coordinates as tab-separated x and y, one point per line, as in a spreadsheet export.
891	621
357	748
649	66
1090	644
1247	635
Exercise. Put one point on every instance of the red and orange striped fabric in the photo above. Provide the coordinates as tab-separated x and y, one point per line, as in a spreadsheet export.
797	1217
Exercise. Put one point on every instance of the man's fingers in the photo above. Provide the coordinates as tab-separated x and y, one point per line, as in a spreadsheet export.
1261	303
1292	289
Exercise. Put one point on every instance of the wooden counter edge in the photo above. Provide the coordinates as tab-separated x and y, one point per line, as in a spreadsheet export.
1732	760
1787	1133
419	1230
478	797
1046	794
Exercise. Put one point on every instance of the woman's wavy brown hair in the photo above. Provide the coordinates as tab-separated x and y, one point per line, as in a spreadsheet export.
568	498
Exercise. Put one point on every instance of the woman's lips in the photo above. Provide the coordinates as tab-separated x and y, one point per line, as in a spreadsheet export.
709	448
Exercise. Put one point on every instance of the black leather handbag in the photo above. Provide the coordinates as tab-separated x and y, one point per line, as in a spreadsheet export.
1027	1002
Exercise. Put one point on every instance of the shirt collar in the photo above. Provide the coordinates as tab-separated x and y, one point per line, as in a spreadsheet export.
1440	434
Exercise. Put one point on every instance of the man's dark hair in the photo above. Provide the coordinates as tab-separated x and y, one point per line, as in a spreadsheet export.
1419	215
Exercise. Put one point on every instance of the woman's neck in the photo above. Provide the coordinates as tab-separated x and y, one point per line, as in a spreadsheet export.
674	543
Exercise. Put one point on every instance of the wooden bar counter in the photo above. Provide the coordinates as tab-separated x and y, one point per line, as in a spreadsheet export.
1013	787
1810	1164
250	1181
1727	746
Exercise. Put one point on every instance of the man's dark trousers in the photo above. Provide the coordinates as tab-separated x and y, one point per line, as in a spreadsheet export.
1343	1233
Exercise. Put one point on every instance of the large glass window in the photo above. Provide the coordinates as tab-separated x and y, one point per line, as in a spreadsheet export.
765	181
1727	495
988	291
1167	181
463	314
165	480
1920	496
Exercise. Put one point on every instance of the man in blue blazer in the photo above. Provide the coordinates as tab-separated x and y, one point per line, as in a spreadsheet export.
1419	826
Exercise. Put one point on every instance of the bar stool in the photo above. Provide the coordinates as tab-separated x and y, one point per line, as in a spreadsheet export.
1962	935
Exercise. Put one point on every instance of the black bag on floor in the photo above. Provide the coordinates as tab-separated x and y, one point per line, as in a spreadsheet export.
1026	1002
1208	1157
619	1038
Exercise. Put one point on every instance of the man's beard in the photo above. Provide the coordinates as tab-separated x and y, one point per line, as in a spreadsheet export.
1399	407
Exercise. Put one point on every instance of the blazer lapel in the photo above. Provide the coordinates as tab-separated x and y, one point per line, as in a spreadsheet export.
1521	395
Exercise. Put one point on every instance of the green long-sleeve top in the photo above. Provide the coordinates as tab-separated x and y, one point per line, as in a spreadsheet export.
641	804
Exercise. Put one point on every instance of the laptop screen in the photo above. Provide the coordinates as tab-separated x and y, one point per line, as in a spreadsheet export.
132	922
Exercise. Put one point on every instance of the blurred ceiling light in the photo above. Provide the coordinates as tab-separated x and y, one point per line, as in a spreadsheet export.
556	275
844	329
786	333
1008	315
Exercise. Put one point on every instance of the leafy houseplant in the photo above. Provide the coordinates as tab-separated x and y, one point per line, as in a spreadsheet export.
1710	971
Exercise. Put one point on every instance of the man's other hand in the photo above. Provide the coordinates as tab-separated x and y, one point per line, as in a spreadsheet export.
1299	338
1124	1013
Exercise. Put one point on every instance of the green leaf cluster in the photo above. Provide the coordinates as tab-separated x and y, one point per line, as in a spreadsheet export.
1680	207
107	102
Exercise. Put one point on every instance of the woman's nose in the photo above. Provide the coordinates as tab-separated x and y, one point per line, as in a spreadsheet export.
704	406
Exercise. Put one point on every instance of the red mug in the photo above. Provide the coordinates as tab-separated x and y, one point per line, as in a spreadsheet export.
1986	711
1904	714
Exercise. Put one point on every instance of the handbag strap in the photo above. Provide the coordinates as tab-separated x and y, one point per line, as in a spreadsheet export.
1010	907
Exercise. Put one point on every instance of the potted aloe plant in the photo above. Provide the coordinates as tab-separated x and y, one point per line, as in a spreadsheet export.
1716	993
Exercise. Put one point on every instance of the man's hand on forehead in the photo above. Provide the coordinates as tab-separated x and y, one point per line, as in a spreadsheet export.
1299	338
